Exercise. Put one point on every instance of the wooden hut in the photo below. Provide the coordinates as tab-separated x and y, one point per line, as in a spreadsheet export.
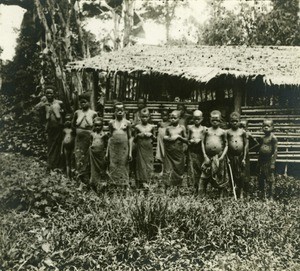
255	81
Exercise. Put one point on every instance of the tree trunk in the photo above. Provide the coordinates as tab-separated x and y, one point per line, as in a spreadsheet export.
117	39
168	21
128	21
60	74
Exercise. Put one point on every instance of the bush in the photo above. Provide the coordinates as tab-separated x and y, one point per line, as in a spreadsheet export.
149	215
21	132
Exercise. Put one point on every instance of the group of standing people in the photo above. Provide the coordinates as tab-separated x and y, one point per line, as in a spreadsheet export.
107	159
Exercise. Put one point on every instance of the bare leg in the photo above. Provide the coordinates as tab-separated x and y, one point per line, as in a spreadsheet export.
68	159
261	186
270	182
202	186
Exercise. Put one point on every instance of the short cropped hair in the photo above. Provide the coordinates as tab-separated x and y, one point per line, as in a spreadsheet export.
270	120
145	111
144	100
50	87
235	115
165	112
118	104
177	112
84	96
215	112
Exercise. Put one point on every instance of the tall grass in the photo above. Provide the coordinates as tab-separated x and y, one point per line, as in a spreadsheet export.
55	226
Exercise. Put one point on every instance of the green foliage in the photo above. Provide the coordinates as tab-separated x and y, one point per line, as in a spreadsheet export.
47	223
44	47
253	24
21	130
223	27
162	12
21	76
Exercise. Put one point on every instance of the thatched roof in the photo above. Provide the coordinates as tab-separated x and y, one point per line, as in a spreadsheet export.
277	64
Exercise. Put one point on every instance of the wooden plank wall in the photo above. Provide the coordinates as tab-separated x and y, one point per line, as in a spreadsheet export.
286	128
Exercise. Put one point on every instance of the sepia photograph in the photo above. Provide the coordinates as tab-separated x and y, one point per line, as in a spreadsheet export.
149	135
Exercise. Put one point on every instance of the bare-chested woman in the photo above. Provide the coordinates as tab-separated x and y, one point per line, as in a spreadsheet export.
119	150
53	110
144	135
174	151
83	122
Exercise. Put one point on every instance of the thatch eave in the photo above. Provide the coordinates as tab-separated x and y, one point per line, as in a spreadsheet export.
278	65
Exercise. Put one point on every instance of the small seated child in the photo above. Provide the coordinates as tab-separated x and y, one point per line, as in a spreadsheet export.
144	135
67	145
237	152
174	160
195	136
98	179
214	147
266	159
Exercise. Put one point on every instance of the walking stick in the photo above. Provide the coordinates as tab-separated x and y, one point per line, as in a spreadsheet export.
191	168
231	177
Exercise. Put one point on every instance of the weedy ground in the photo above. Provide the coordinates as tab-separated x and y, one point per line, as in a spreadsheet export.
48	223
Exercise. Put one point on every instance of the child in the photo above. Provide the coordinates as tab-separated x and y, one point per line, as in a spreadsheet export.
252	144
144	149
67	145
184	117
214	147
174	161
237	152
267	159
83	122
195	136
141	104
97	156
162	126
119	150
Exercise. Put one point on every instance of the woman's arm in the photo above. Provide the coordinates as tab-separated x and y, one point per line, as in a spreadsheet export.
74	119
129	135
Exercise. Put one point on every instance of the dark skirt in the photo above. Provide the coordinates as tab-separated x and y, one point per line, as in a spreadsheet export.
98	166
144	159
54	147
174	161
81	151
118	160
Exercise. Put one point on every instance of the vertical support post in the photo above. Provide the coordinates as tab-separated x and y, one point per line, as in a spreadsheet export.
95	89
237	97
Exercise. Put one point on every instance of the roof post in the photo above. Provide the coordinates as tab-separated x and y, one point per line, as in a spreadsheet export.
238	92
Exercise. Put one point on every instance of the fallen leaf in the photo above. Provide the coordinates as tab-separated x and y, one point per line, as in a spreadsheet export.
46	247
